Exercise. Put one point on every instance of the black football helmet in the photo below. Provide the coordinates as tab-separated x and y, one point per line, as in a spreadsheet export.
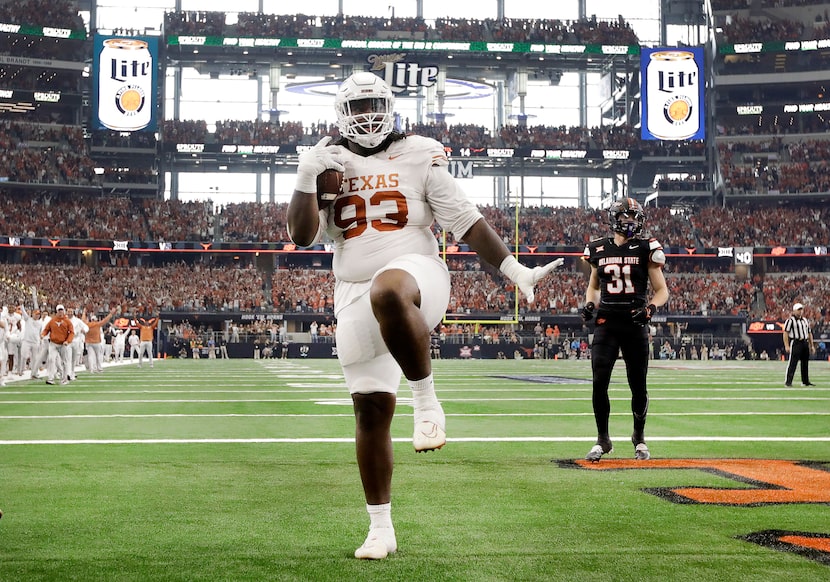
627	217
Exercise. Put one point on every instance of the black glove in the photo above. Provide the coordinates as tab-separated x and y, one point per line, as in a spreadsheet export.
643	314
588	311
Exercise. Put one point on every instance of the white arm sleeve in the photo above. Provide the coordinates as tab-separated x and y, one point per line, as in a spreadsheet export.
452	209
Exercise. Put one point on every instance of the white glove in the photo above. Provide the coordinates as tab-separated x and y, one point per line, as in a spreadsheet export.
526	278
314	162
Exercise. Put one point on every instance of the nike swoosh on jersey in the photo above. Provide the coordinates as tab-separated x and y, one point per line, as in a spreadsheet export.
395	156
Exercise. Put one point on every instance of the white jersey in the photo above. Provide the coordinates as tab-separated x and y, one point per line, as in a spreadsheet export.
80	329
31	328
14	329
388	206
44	321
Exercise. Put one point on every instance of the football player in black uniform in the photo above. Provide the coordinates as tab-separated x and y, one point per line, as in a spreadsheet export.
621	268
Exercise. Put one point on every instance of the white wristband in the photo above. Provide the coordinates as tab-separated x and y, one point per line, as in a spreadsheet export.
306	183
512	268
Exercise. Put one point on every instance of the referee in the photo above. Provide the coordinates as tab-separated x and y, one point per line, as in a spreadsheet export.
798	342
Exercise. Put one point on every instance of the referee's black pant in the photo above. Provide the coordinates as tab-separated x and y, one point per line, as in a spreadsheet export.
799	353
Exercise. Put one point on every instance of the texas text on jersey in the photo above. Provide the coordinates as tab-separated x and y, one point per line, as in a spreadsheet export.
385	206
623	271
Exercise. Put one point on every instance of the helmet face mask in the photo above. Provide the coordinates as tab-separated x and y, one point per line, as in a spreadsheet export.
627	217
364	105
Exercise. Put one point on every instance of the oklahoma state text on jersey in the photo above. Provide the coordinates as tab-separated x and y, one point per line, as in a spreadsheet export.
623	271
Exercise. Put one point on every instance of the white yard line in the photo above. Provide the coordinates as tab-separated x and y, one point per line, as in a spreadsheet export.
443	400
741	439
349	415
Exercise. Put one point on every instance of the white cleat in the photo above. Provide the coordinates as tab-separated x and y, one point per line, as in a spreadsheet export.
379	543
596	452
428	436
641	452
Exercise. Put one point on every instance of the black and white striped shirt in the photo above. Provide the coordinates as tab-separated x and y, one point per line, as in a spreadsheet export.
798	328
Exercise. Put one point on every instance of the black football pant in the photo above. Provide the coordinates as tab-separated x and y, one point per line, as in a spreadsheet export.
610	337
799	354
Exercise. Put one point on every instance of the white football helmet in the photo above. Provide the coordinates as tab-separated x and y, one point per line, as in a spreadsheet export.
364	104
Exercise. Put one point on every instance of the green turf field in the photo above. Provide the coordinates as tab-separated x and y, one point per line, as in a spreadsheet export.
244	470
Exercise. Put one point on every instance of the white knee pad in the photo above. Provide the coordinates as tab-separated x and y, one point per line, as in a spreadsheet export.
358	336
381	374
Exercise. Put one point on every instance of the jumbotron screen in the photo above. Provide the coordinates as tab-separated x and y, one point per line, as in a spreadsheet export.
125	83
672	82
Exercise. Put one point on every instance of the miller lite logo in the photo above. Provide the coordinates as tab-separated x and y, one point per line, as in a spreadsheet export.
125	84
401	75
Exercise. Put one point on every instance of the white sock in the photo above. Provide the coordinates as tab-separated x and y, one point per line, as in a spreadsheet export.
424	401
379	515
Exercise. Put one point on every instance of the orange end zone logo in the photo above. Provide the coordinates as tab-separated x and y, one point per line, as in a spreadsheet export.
770	482
812	546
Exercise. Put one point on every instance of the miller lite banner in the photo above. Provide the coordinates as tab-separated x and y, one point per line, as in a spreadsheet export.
672	82
125	78
402	76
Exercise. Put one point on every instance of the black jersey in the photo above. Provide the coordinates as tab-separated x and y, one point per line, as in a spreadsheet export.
623	271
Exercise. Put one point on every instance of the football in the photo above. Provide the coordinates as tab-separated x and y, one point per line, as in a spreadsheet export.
329	185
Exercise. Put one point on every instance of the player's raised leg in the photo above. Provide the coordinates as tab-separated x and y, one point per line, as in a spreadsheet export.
405	316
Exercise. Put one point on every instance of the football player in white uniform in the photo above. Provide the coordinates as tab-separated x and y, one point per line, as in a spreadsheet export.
392	288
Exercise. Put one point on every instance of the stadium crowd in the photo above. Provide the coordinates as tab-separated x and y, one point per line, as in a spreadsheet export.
242	288
59	154
587	31
723	5
774	166
48	154
82	216
55	153
175	287
260	132
56	13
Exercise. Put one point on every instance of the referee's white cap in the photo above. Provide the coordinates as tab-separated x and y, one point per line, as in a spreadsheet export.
798	306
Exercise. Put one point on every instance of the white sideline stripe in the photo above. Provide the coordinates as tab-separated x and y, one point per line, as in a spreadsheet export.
349	415
339	389
96	416
529	439
171	401
443	400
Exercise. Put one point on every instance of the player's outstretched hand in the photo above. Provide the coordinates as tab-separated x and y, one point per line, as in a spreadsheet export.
526	278
313	162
